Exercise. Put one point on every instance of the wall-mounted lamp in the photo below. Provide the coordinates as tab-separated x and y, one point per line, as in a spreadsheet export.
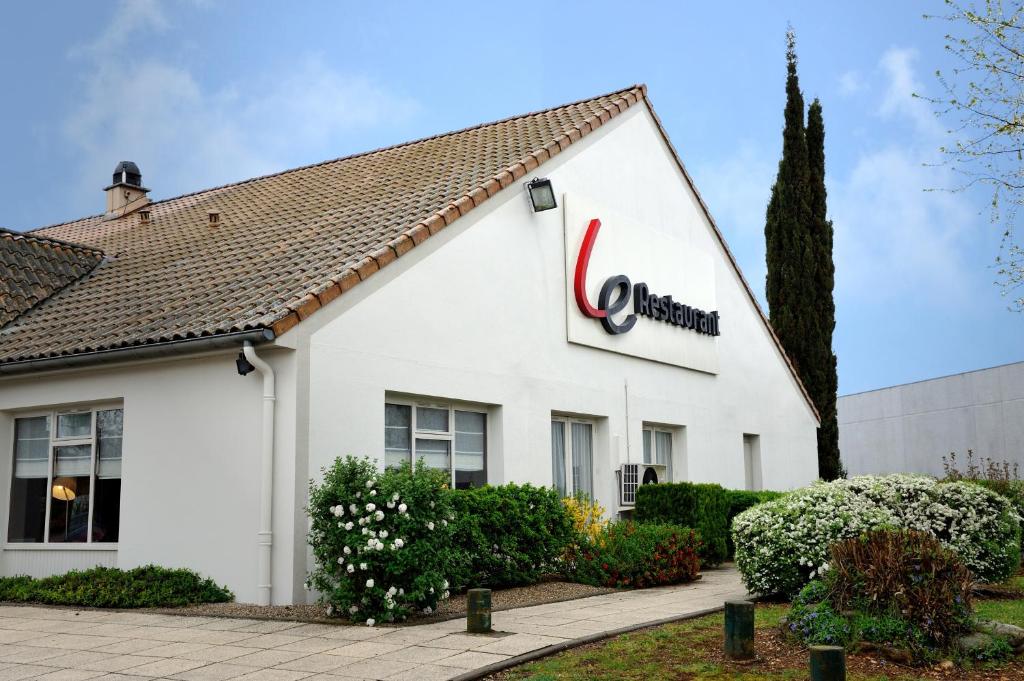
542	196
243	365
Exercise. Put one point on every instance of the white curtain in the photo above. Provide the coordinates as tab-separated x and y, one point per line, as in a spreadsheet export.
664	449
72	461
435	453
558	456
647	447
470	440
582	459
109	428
31	447
397	436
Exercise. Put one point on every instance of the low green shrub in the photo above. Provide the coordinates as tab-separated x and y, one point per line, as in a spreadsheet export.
701	506
782	544
508	535
639	555
382	542
106	587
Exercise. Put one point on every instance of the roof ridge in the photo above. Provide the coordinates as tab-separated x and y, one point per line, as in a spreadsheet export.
294	311
49	239
368	152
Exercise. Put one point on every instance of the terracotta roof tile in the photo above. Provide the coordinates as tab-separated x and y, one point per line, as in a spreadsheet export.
284	240
32	268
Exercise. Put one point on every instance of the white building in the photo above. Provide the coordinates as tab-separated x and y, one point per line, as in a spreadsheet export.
406	302
909	428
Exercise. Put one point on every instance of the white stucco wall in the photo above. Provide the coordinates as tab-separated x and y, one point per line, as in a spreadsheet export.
478	314
909	428
191	469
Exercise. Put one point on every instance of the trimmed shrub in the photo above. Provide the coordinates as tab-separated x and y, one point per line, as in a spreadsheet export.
702	506
508	535
382	541
639	555
105	587
903	575
782	544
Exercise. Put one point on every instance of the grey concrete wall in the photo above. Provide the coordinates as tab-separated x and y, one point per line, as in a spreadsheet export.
909	428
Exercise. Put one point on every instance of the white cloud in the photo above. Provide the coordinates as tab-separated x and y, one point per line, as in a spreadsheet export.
186	135
893	239
851	83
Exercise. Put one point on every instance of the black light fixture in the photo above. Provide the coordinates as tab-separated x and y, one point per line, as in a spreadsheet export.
542	196
243	365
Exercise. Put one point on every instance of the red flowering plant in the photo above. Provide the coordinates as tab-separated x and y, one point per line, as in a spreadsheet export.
638	555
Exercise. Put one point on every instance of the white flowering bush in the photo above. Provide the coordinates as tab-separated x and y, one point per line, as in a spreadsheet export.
782	544
382	541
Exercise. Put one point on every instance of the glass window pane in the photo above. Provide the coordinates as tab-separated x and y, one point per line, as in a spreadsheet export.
432	419
106	512
397	436
109	427
470	440
71	461
664	451
582	459
31	447
28	510
558	456
74	425
435	453
69	507
647	446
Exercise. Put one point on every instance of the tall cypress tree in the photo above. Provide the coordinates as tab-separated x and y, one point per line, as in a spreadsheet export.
826	379
799	273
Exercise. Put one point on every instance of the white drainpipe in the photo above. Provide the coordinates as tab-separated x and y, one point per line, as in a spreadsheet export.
266	540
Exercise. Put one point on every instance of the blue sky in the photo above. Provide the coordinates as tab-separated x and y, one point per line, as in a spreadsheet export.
203	93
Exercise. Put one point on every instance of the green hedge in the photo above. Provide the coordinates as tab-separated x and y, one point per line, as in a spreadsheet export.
105	587
638	555
702	506
706	507
508	535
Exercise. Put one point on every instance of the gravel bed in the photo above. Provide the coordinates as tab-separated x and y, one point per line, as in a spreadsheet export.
551	591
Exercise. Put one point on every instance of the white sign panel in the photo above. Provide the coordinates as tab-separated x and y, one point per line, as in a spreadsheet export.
637	290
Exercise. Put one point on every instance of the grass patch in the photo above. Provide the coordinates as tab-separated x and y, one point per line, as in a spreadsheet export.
691	650
105	587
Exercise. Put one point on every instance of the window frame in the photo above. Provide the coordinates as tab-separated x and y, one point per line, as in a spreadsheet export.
654	429
54	442
446	436
570	488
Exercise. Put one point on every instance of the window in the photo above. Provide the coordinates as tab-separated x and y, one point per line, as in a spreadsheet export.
66	485
572	451
443	436
658	448
752	461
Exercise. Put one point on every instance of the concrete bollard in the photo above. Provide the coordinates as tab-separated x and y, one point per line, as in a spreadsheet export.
478	611
828	663
739	630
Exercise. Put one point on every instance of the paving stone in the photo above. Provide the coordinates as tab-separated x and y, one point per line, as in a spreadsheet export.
269	640
364	649
517	644
69	675
177	649
219	671
317	663
426	672
375	668
267	658
217	653
310	645
419	654
471	660
165	667
274	675
16	672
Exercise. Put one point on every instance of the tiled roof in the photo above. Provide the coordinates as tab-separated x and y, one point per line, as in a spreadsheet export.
289	243
286	243
32	268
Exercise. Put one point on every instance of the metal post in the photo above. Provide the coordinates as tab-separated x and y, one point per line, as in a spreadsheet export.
478	611
828	663
739	630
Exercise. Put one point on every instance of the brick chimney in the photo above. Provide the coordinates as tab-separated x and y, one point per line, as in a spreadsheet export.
126	193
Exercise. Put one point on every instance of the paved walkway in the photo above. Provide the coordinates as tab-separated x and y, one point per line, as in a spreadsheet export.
57	644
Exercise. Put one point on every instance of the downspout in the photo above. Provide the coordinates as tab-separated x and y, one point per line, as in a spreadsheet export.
265	535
